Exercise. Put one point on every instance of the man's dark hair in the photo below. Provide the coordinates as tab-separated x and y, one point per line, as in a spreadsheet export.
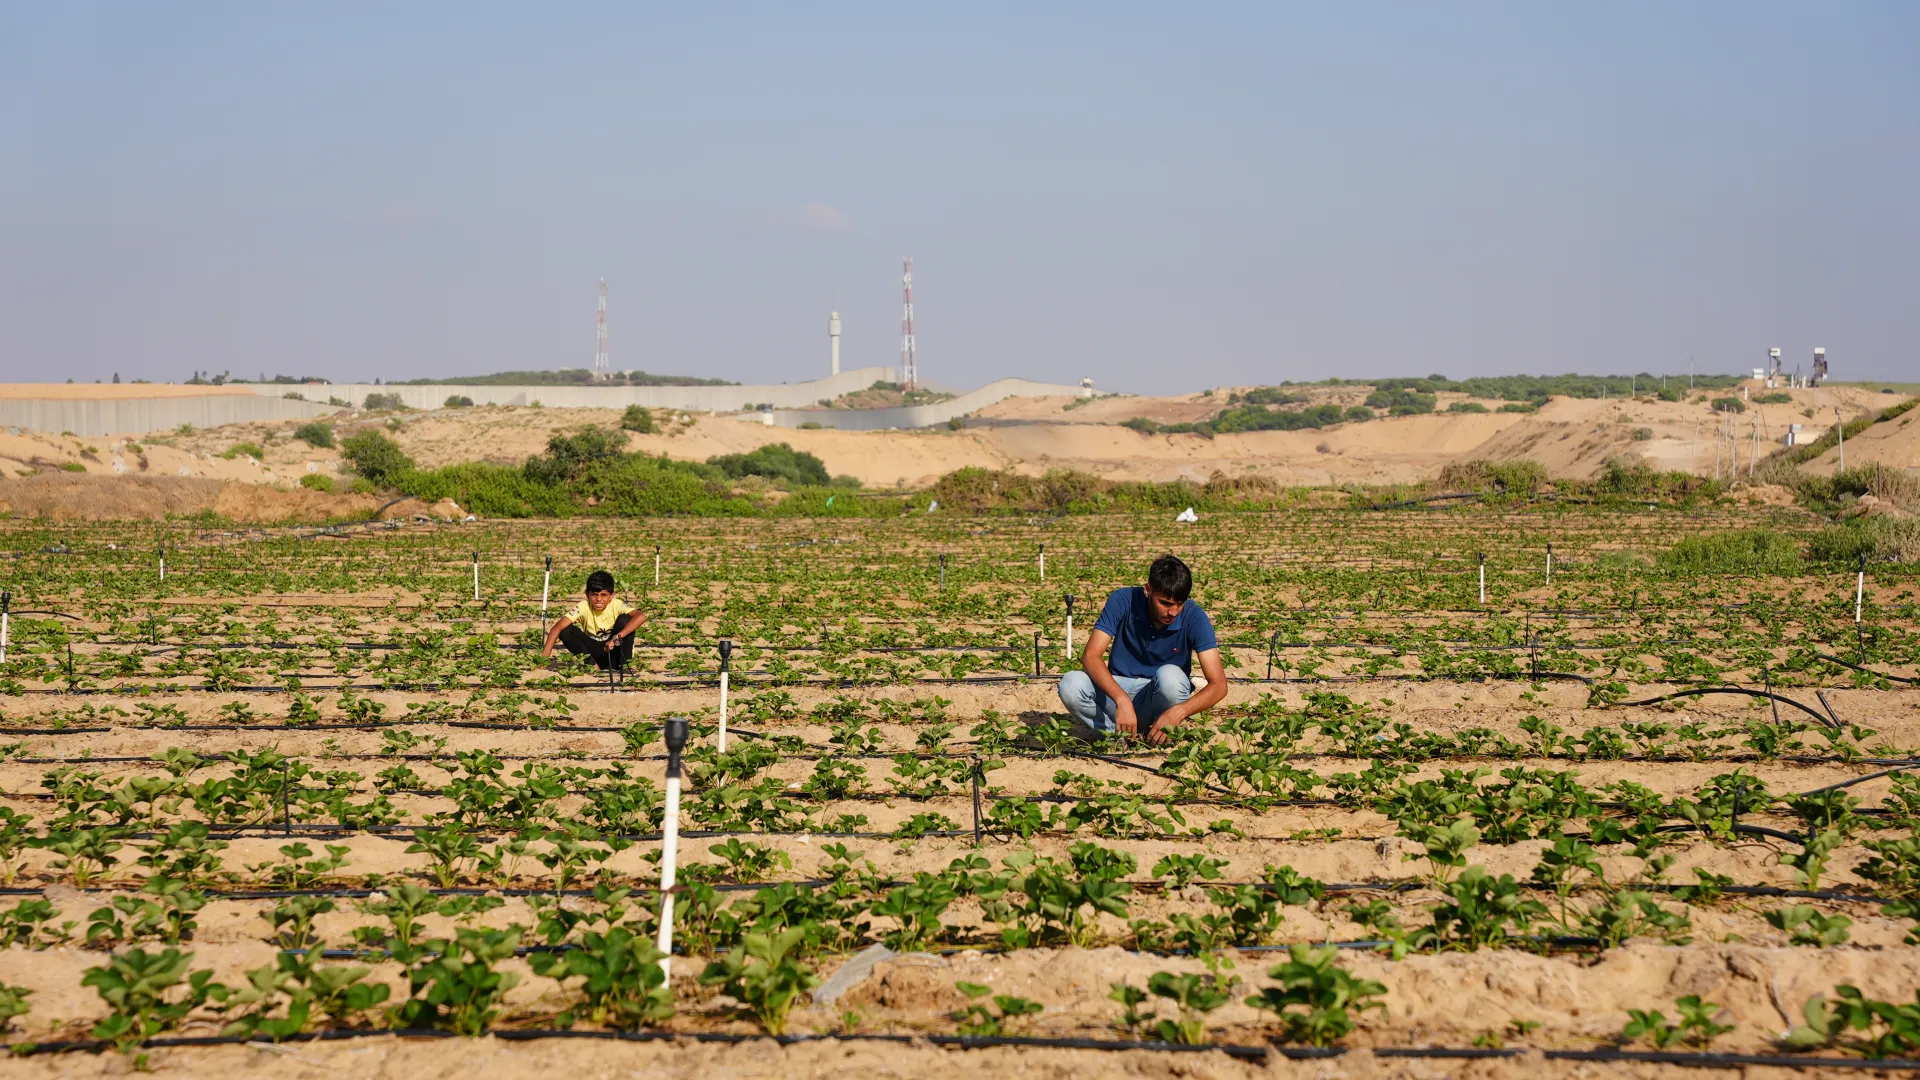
601	581
1168	576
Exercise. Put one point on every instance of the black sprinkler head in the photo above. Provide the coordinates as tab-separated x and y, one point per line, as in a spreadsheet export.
676	732
1069	603
549	562
726	650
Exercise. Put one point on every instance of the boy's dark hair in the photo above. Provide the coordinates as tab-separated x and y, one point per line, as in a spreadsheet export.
1168	576
601	581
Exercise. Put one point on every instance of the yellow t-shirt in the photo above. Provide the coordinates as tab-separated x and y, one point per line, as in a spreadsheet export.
599	623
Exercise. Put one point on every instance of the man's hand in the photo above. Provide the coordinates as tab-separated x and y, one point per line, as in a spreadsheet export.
1124	720
1168	720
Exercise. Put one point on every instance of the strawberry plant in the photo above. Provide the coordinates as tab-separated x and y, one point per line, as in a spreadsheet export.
974	1018
762	975
621	980
1316	1000
147	994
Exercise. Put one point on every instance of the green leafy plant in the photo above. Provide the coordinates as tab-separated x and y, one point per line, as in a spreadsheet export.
452	982
1697	1027
621	979
974	1018
1891	1029
1316	1000
762	974
1805	925
148	993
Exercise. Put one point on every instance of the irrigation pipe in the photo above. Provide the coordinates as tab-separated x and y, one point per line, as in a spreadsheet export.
1704	690
1867	670
981	1042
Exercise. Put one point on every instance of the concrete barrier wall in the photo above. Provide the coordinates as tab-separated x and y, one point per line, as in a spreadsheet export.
914	416
690	398
141	416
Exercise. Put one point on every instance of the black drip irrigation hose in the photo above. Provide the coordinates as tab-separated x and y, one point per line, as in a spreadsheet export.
963	1042
1702	691
1735	1061
980	1042
1867	670
1148	887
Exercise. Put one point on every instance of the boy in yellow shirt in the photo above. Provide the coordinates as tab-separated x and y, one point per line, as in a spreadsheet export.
594	628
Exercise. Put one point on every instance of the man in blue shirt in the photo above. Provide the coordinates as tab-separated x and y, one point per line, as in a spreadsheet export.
1146	686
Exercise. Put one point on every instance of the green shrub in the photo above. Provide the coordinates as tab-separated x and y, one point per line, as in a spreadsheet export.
776	461
1729	405
1879	538
314	481
569	456
1519	407
1401	401
458	401
1267	395
1519	476
72	466
1642	434
491	491
1774	399
1467	407
1261	418
376	458
1731	552
251	450
1358	414
384	401
637	418
315	433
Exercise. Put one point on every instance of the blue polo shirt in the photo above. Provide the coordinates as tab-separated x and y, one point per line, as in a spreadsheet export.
1140	648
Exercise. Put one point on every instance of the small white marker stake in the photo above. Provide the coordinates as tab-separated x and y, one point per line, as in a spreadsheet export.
656	564
726	656
1069	649
476	575
670	842
1859	593
1549	564
6	611
163	562
546	584
1043	564
1483	579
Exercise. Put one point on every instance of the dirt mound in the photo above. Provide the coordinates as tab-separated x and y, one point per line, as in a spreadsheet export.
79	497
410	508
257	502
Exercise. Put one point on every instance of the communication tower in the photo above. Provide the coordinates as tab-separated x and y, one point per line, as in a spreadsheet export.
600	335
909	371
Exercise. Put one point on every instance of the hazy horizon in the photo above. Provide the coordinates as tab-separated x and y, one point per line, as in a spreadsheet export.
1165	201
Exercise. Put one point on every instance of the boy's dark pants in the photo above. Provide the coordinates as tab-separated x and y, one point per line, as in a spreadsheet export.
581	643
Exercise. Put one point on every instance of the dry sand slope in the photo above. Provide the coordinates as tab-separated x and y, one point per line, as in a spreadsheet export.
1571	437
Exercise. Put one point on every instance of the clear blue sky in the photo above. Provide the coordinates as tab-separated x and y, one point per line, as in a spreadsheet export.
1165	197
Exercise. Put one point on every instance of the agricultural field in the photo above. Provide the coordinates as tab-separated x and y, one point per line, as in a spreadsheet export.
315	786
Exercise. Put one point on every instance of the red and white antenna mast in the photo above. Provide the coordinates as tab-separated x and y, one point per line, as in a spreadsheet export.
909	371
600	335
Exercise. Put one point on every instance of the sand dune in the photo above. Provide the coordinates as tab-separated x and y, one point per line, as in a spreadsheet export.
1570	437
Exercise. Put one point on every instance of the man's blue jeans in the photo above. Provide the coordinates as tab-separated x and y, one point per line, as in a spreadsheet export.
1151	697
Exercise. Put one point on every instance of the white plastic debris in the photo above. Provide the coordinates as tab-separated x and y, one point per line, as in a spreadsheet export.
933	505
1187	515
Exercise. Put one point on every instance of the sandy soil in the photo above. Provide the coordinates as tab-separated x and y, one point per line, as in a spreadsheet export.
74	497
